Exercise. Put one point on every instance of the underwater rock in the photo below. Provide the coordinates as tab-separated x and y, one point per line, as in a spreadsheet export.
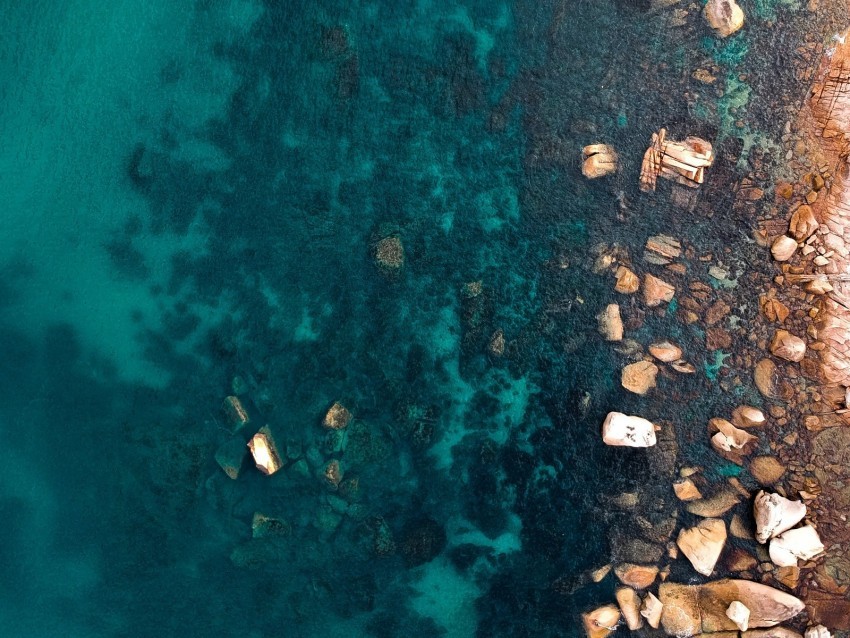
230	456
693	609
775	514
745	416
264	526
683	162
332	473
661	250
716	505
656	291
818	631
389	253
783	248
598	575
627	281
639	377
724	16
685	490
264	451
730	442
496	347
766	470
598	160
787	346
803	223
703	544
629	603
421	541
601	621
651	609
610	323
636	576
631	431
665	351
765	378
236	412
337	418
802	543
738	613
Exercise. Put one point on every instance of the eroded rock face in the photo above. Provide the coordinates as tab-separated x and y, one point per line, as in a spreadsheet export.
694	609
787	346
639	377
624	430
775	514
724	16
702	544
610	323
802	543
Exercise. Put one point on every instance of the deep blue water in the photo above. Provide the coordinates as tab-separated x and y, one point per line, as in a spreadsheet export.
192	194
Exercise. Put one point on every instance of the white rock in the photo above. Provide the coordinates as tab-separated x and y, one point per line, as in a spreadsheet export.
724	16
651	610
802	543
739	614
629	603
630	431
818	631
775	514
610	323
783	248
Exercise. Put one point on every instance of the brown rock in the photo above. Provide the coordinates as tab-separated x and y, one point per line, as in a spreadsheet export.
788	576
662	249
629	603
656	291
787	346
784	190
716	312
774	309
665	351
686	490
651	609
337	418
737	560
636	576
803	223
639	377
765	378
716	505
601	622
599	160
745	416
703	543
610	323
773	632
627	282
767	470
730	442
739	528
717	339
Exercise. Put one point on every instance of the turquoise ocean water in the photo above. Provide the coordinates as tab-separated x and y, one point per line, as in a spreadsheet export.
192	193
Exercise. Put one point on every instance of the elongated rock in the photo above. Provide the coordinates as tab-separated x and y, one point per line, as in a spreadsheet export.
802	543
624	430
264	451
775	514
629	603
651	609
610	324
665	351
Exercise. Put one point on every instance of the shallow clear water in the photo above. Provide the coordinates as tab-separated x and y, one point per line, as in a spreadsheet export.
193	192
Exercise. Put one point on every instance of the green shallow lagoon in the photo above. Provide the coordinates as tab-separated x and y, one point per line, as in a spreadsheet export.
192	197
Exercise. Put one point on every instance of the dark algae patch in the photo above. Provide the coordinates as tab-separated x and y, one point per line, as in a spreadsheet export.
362	231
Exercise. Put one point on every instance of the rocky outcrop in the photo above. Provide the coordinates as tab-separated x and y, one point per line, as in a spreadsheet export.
639	377
703	544
656	291
598	160
610	323
631	431
787	346
693	609
802	543
724	16
775	514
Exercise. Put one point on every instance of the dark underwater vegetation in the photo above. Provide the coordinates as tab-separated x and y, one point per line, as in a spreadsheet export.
193	198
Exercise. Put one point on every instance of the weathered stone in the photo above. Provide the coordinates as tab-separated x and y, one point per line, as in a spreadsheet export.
264	451
765	378
775	514
774	309
496	347
717	339
332	473
738	613
236	412
631	431
627	281
783	248
636	576
337	418
683	367
389	253
803	223
598	160
656	291
665	351
601	622
787	346
230	456
745	416
684	162
724	16
702	544
610	323
767	470
662	249
629	603
651	609
639	377
802	543
714	506
773	632
818	631
716	312
737	560
598	575
730	442
686	490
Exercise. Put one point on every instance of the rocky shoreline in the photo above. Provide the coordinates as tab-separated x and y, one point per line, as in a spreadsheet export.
799	446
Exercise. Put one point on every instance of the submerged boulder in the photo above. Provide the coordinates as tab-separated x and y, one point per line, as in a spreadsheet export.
623	430
337	418
230	456
389	253
724	16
